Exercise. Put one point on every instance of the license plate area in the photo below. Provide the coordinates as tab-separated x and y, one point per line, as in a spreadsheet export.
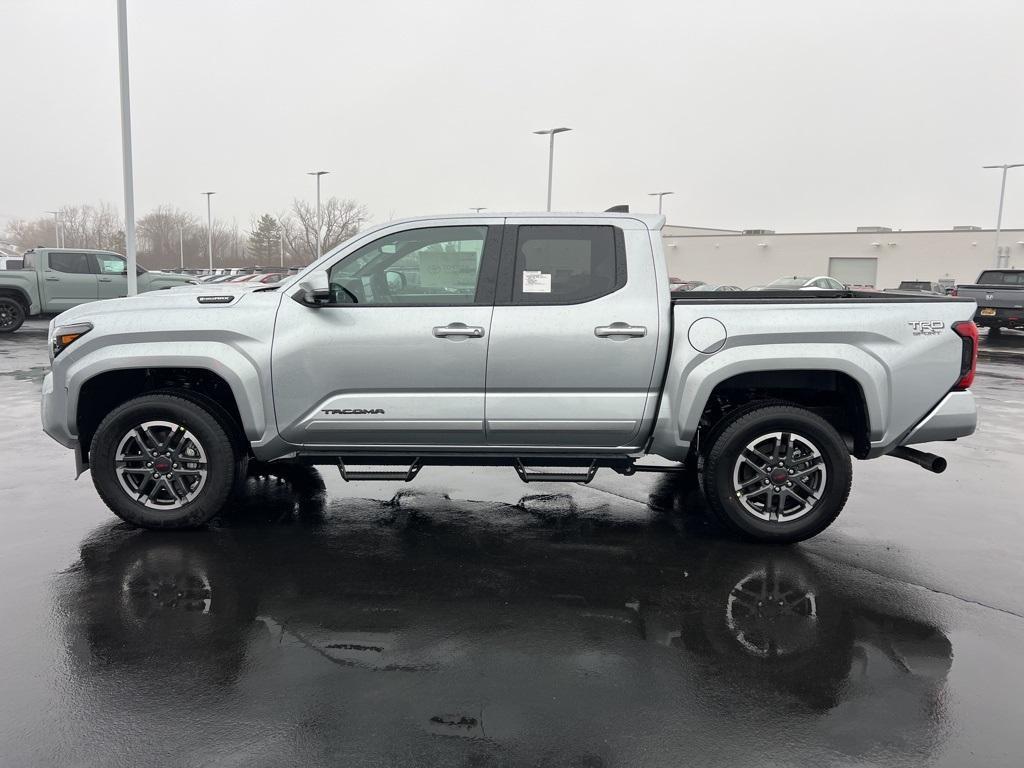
988	312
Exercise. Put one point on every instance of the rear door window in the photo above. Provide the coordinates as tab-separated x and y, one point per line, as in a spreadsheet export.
562	264
70	263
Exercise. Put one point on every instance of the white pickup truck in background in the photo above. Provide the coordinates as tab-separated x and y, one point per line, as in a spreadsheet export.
538	341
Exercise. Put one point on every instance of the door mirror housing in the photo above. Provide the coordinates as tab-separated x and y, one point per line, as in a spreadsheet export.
396	280
314	290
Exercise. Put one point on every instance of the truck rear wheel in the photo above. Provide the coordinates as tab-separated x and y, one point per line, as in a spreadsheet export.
161	461
778	474
12	314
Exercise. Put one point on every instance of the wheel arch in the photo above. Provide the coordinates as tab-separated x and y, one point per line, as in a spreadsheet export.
854	389
19	295
93	393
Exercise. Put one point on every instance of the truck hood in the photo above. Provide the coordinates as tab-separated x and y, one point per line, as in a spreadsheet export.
227	289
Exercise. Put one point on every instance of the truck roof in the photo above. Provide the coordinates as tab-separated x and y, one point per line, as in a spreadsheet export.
652	221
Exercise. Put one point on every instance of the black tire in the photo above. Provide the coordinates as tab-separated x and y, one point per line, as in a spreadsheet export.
994	331
720	464
220	450
12	314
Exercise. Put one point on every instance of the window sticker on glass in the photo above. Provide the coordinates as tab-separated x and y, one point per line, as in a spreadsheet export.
536	282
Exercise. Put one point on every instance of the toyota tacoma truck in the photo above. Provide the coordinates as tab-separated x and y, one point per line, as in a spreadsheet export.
52	280
999	294
547	343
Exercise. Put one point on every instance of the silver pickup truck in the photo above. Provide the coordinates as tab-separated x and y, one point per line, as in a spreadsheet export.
548	343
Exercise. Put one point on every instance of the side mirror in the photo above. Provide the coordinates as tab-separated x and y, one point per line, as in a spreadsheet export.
314	291
396	280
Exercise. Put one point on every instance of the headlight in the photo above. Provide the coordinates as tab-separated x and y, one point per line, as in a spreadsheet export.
66	335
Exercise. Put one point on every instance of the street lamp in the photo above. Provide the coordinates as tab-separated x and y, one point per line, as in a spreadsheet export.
1002	194
551	154
56	228
659	195
319	223
209	228
181	247
126	148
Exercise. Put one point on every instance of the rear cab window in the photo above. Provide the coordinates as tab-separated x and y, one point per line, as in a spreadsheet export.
567	264
998	277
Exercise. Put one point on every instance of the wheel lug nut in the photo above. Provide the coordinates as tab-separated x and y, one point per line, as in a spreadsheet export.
789	483
149	463
777	489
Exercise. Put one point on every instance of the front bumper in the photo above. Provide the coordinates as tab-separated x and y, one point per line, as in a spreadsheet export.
955	416
53	406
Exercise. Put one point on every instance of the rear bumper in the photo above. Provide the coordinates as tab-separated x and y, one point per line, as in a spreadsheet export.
1005	318
955	416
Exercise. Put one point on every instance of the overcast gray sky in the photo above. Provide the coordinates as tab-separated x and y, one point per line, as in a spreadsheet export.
790	115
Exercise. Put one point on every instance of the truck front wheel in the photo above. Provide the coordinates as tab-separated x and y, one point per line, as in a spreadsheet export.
12	315
161	461
777	474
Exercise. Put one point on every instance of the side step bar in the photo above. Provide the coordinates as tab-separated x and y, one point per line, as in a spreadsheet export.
579	469
528	476
404	476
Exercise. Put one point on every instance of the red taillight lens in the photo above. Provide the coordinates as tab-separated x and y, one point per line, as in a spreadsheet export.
968	333
954	292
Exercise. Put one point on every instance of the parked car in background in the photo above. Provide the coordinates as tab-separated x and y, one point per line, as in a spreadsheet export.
426	341
1000	297
11	262
820	283
710	287
258	277
53	280
687	285
919	286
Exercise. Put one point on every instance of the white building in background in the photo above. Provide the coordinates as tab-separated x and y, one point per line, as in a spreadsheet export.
869	256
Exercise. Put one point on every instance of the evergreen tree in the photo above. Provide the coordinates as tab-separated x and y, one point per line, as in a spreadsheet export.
265	240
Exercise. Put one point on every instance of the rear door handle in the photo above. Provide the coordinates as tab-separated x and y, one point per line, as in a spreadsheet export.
106	279
624	330
458	330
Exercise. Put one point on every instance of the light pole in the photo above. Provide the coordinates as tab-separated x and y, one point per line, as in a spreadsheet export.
126	147
280	233
319	223
209	228
181	247
1002	194
56	228
660	195
551	154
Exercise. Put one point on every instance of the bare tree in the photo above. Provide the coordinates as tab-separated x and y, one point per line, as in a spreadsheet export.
162	234
341	219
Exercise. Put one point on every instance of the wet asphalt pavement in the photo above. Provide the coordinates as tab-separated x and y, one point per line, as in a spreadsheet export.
467	619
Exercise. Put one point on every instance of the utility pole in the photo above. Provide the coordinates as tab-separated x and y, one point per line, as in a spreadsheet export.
181	247
551	154
126	148
319	222
1002	193
209	228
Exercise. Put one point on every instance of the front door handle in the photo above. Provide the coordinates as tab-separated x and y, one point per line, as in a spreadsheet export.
106	279
53	279
458	330
624	330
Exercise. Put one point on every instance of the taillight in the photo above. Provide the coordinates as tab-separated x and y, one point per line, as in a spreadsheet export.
953	291
968	333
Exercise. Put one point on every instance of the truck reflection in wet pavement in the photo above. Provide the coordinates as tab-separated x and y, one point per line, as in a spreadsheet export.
323	630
